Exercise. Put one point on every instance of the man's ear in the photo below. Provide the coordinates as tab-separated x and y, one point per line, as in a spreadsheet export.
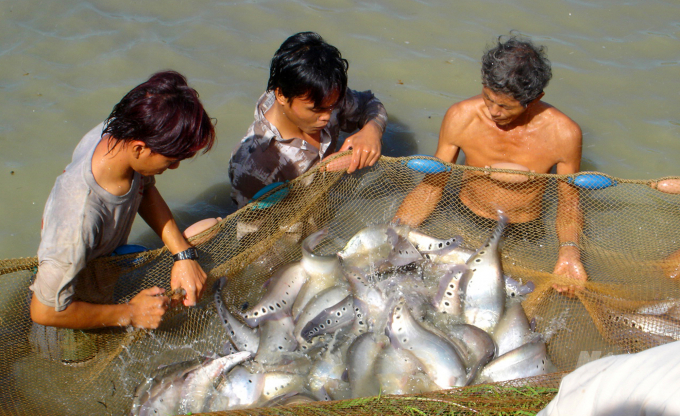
280	98
137	148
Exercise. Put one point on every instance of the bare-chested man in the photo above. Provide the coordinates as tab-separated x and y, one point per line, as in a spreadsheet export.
507	126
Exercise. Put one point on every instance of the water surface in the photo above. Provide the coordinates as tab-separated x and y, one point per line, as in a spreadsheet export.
63	65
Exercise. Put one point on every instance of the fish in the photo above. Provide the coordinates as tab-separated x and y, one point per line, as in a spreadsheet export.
480	348
513	330
276	337
483	290
438	355
323	271
370	248
281	293
241	336
399	372
361	358
326	377
531	359
331	319
316	306
367	297
197	386
239	389
448	297
515	289
161	389
651	324
453	254
425	243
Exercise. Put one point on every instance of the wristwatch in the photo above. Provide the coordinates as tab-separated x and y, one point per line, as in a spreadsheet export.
189	254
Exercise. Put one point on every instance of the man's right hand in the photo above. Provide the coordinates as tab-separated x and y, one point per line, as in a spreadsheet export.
148	307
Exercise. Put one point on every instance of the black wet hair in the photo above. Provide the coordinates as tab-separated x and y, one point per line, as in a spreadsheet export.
516	67
305	66
164	113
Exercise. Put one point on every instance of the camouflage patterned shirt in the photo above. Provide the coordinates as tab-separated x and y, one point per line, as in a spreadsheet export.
264	157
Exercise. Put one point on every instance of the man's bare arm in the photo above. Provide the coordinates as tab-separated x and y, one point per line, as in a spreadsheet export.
422	201
186	274
145	310
569	221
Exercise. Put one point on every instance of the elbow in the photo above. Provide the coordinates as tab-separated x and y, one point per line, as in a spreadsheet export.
42	314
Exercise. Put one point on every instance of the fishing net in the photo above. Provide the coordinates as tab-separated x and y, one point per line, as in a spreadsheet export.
627	234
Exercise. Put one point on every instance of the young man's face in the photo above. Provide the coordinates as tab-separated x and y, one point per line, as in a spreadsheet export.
503	109
151	163
308	118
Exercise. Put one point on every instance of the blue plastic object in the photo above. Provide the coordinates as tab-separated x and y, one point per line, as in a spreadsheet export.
128	249
427	165
592	181
271	199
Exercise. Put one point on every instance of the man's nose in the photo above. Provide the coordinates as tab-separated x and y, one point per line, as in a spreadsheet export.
325	116
175	165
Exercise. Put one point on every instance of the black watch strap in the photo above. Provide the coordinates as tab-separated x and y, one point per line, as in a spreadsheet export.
189	254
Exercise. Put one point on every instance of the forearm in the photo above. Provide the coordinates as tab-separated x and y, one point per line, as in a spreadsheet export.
422	201
157	214
81	315
569	221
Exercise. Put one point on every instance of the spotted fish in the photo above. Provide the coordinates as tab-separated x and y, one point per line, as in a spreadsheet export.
438	355
484	287
531	359
241	336
281	293
448	297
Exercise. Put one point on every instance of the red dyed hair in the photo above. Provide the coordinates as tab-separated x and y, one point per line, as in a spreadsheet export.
164	113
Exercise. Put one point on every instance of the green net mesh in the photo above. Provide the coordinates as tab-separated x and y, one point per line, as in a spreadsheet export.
628	232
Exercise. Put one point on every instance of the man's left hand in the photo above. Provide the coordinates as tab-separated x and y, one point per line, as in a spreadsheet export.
365	145
569	265
188	275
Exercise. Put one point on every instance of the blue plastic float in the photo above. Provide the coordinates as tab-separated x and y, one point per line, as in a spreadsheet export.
271	199
592	181
128	249
427	165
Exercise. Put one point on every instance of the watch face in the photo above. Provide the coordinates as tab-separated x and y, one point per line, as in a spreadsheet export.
189	254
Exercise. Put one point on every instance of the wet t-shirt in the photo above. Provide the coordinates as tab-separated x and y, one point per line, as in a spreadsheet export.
263	157
81	222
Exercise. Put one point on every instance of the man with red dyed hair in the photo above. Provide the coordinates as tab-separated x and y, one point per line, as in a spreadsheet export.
90	210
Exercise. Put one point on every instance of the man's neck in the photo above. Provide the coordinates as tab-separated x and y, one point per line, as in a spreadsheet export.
111	169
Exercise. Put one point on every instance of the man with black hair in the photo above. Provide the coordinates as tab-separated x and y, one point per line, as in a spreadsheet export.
299	118
507	126
94	202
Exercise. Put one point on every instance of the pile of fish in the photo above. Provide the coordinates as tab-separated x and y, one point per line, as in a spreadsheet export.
396	311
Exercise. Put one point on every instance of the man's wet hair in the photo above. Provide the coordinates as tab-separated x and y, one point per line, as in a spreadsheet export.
516	67
164	113
305	66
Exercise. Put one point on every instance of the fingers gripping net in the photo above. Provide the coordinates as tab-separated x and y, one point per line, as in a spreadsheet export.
626	235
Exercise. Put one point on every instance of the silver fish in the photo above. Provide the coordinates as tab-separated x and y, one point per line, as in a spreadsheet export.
370	248
448	297
239	389
281	293
361	357
328	298
198	384
323	271
243	337
484	287
276	337
162	388
367	296
279	384
427	244
403	253
531	359
331	319
480	347
654	325
450	255
438	355
514	289
399	372
513	330
325	377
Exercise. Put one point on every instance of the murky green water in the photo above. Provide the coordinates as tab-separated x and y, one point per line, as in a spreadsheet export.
63	65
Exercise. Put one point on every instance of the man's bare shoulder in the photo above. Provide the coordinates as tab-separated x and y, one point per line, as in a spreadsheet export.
562	125
460	116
